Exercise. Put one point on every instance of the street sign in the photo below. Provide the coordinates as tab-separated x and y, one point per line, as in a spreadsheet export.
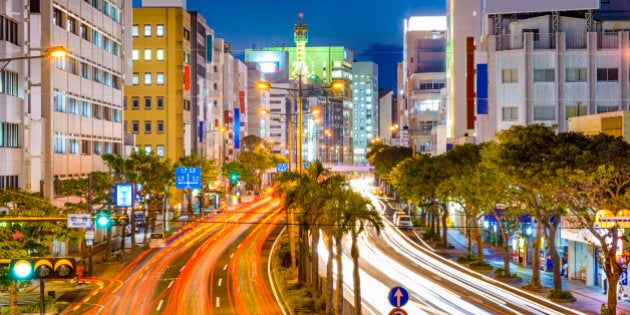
79	220
89	235
282	167
397	311
188	178
124	195
398	296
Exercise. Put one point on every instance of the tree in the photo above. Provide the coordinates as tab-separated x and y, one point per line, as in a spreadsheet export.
209	171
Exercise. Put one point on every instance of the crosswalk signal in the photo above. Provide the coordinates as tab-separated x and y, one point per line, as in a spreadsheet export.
42	268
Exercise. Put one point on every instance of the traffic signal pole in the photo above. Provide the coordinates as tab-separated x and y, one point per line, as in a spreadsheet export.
41	297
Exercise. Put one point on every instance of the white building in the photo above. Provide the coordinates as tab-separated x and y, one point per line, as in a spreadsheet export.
364	108
58	116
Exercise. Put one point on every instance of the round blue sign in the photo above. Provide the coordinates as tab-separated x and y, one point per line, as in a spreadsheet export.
398	296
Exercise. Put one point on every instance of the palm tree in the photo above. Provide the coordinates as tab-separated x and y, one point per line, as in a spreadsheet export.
358	214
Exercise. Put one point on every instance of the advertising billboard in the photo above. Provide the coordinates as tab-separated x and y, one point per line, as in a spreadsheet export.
269	61
520	6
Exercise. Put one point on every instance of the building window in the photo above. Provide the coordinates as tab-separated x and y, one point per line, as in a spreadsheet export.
509	113
544	75
73	65
59	145
71	25
135	127
116	115
86	109
85	147
8	30
96	74
186	34
135	55
73	146
147	126
159	128
186	105
97	148
135	30
147	149
147	102
96	111
509	75
160	102
85	70
135	78
73	106
147	54
147	78
576	74
83	29
159	78
8	82
159	30
159	150
135	102
159	54
57	17
147	30
9	135
607	74
59	101
544	113
186	58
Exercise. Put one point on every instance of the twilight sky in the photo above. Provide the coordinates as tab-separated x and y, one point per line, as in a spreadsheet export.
371	28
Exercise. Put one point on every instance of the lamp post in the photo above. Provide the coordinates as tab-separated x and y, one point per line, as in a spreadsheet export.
265	86
287	117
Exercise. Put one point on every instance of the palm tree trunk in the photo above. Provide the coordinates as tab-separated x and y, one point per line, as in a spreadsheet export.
329	276
314	262
303	254
355	274
291	222
339	249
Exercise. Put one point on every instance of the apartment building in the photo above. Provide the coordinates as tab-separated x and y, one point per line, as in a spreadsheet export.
58	115
364	108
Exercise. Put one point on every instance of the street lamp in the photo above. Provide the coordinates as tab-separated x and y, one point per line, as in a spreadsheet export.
265	111
265	86
51	52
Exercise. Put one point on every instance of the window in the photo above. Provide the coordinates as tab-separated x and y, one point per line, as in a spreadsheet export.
187	58
159	126
135	78
85	147
73	65
9	135
160	102
576	74
147	78
60	63
107	113
135	127
159	54
60	145
85	70
8	82
159	30
85	109
159	78
186	105
159	150
96	74
147	149
607	74
73	146
59	101
95	4
135	32
125	102
147	54
116	115
83	29
544	113
96	111
147	30
57	17
96	148
509	113
147	102
71	25
509	75
96	38
186	34
135	102
9	30
147	126
107	147
73	107
544	75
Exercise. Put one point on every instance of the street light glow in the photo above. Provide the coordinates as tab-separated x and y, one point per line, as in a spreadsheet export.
56	51
263	111
263	85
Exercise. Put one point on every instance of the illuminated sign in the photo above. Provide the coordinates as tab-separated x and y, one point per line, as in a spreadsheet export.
269	66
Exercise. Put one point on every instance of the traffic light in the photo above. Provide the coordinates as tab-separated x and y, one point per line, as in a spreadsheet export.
233	177
101	219
121	220
42	268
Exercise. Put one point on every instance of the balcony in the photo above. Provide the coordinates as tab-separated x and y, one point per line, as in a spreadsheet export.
605	40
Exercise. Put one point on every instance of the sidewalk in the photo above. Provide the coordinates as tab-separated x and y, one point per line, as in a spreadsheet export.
589	299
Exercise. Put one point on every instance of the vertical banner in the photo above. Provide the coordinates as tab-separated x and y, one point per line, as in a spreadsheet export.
200	131
209	48
241	99
237	128
186	78
482	89
470	83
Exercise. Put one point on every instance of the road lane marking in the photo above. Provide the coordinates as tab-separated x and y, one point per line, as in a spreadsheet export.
231	255
218	304
159	305
180	270
171	284
225	267
220	281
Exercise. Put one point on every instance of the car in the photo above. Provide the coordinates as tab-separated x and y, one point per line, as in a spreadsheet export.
248	196
403	222
157	240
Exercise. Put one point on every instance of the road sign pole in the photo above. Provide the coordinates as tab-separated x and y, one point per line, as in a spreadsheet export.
89	260
41	297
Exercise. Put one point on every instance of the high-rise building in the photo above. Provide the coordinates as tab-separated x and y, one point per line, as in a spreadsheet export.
387	113
364	108
423	77
57	116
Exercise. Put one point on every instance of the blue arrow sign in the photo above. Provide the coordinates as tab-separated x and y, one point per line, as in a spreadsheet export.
398	296
282	167
188	178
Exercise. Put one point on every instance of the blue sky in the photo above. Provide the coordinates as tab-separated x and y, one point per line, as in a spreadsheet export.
370	28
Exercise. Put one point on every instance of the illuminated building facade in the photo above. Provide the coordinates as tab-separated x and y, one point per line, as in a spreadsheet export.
364	108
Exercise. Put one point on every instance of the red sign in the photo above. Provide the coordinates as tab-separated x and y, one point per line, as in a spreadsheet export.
187	78
397	311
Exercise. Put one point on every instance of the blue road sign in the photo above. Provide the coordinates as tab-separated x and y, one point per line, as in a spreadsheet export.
282	167
398	296
188	178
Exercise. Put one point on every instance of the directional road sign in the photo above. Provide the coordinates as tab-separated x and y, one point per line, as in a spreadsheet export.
398	296
397	311
282	167
79	220
188	178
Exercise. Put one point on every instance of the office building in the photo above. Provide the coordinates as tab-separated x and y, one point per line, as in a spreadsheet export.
364	108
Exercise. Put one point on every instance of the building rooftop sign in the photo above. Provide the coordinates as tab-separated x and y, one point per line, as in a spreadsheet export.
520	6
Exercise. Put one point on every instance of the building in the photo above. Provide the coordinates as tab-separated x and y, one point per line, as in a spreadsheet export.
364	108
422	79
387	113
57	116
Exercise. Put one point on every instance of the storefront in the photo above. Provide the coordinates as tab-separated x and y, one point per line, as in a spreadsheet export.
582	255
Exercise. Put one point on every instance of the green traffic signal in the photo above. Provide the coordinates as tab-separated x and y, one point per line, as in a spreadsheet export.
21	269
42	268
234	177
102	219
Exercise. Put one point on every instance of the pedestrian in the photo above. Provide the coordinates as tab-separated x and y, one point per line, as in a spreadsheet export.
549	264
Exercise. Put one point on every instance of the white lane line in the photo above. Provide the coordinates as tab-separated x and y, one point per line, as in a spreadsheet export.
180	270
220	281
159	305
225	267
218	304
231	255
171	284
